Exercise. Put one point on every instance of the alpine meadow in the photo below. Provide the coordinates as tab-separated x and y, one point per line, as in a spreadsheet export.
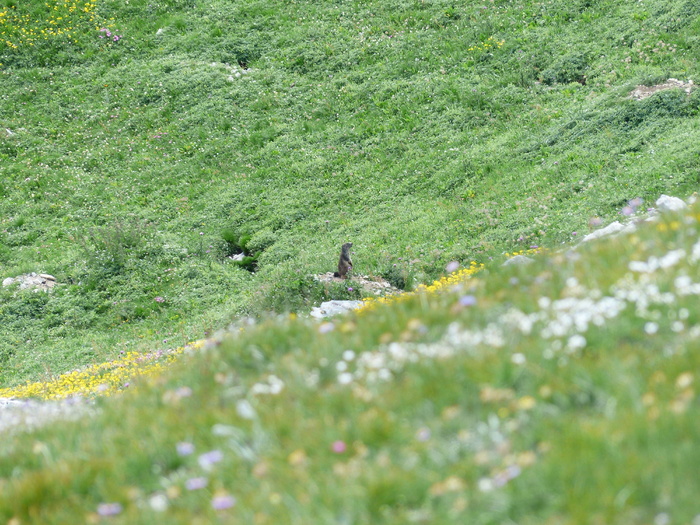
181	174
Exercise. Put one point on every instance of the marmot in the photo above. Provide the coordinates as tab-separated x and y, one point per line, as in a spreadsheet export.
344	264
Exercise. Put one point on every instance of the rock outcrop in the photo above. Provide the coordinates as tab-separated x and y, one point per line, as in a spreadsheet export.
32	281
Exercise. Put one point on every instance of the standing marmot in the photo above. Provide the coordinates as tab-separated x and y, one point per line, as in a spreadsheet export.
344	264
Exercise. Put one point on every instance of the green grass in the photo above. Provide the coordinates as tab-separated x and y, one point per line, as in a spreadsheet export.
423	132
559	392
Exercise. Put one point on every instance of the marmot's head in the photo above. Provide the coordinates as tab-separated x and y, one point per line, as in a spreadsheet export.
347	245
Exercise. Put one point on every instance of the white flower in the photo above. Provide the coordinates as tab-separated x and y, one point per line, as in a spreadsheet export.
518	359
651	328
158	502
576	342
348	355
485	484
245	409
345	378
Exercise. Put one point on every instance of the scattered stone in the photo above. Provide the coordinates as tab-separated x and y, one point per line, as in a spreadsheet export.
18	415
610	229
642	92
331	308
666	203
518	260
27	281
369	285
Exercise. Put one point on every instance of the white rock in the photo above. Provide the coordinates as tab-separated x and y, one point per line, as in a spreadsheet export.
667	203
8	281
610	229
330	308
518	260
629	228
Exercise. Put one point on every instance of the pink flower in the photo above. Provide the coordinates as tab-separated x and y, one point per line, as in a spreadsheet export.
109	509
339	447
209	459
184	448
196	483
467	300
223	502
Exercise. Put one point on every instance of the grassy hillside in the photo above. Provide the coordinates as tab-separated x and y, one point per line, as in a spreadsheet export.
143	143
559	392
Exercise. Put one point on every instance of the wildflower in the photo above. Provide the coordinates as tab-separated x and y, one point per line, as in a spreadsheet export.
684	380
485	485
109	509
576	342
196	483
159	299
223	502
651	328
297	458
423	434
452	267
503	477
345	378
339	447
325	328
184	448
209	459
245	409
467	300
348	355
183	391
158	502
518	359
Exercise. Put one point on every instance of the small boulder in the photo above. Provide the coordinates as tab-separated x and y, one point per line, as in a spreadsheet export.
331	308
518	260
610	229
667	203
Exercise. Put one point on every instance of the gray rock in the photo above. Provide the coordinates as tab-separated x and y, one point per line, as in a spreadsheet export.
518	260
17	415
610	229
331	308
667	203
32	281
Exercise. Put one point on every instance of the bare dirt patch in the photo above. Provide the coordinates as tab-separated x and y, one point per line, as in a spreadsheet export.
642	92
